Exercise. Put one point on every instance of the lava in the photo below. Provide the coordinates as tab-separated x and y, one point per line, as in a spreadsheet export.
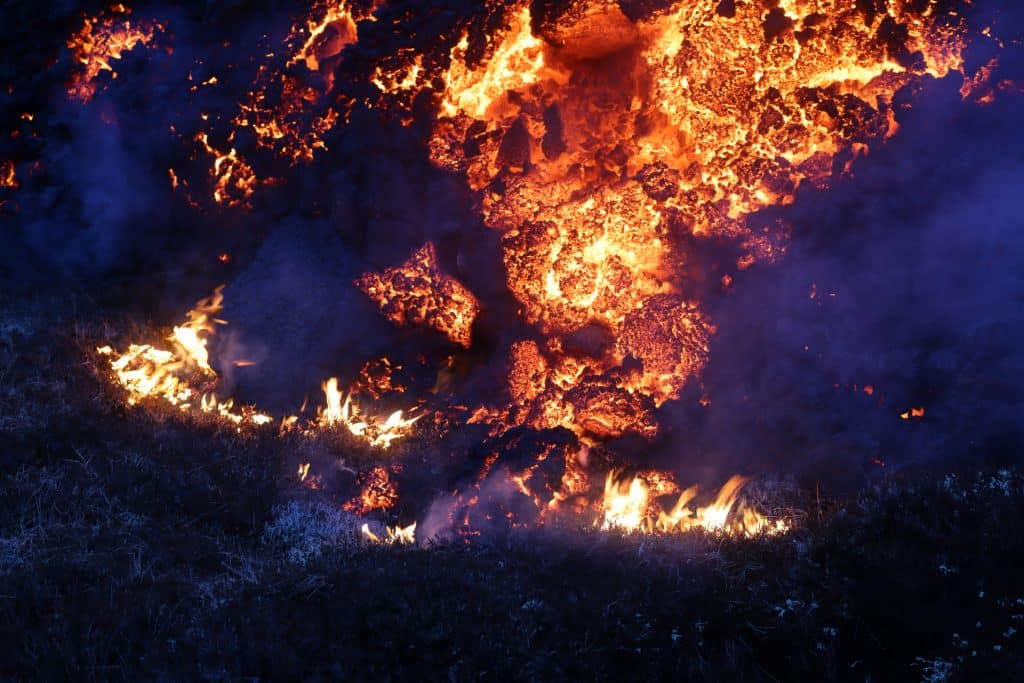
8	175
102	40
608	153
601	177
418	292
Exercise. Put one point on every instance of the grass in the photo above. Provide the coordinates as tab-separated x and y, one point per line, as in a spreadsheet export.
147	545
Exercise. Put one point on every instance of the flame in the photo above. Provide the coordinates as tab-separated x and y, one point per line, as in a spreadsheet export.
418	292
375	431
627	505
393	535
102	39
913	412
183	377
174	376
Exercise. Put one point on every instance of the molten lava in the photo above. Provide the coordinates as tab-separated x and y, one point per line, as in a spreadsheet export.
418	292
610	153
101	40
602	148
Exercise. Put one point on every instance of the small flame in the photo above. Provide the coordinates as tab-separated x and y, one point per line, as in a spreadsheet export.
372	429
145	371
393	535
627	506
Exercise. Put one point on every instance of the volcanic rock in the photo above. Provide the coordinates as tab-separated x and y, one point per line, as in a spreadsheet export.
583	29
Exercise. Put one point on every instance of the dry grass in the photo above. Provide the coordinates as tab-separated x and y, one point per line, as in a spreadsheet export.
149	545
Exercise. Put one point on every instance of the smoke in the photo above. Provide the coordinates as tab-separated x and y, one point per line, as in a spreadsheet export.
901	289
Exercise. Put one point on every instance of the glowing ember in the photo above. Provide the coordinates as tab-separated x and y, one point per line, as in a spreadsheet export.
377	492
374	430
8	177
913	412
628	505
419	293
102	39
233	179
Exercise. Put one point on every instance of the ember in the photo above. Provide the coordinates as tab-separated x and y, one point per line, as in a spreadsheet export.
103	39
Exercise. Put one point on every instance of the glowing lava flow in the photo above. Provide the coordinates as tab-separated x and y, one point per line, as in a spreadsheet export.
283	109
418	292
604	149
102	39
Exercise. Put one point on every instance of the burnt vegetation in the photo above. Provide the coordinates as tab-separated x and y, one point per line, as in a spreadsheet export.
151	545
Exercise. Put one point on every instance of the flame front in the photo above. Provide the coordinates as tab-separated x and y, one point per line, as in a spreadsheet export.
176	376
393	535
627	505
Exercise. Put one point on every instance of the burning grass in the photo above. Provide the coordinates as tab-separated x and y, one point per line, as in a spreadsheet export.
136	544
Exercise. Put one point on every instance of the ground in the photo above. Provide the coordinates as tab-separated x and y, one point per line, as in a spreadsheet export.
146	545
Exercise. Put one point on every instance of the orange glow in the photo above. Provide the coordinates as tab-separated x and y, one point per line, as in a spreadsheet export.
374	430
101	40
596	175
627	505
418	292
8	177
913	412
